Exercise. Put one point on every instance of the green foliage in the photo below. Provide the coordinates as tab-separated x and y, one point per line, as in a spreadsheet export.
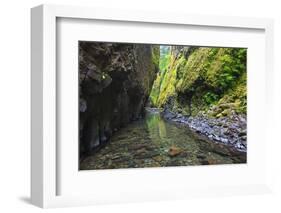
159	86
167	87
165	54
155	55
152	68
155	90
206	77
164	62
233	65
210	98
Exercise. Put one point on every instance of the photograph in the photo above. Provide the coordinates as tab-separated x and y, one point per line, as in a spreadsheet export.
160	105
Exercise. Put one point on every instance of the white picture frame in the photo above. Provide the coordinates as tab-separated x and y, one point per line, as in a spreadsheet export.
44	148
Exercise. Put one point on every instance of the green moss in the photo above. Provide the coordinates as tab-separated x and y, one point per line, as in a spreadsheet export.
204	80
155	55
210	98
237	95
155	90
167	87
152	68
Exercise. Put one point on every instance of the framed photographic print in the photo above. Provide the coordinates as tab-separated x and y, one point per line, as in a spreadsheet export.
130	106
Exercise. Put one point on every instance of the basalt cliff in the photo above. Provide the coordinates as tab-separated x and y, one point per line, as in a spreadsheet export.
115	81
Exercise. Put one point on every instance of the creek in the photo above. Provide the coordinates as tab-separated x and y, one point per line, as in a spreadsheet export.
156	142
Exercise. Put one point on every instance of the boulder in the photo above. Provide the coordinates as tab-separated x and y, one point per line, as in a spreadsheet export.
174	151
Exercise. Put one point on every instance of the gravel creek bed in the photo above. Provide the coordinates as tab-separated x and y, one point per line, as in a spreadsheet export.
230	130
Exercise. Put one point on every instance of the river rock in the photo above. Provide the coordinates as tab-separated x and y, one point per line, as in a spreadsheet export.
230	130
200	156
174	151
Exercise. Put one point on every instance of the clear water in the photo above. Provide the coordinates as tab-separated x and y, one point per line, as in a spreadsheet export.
155	142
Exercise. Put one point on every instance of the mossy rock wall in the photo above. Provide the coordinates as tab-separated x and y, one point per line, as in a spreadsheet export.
204	80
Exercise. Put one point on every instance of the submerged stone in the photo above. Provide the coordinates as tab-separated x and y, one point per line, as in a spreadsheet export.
174	151
169	145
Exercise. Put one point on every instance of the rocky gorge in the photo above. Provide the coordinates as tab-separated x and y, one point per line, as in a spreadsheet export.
205	89
147	105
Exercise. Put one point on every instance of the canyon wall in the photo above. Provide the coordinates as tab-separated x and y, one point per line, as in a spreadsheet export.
115	81
206	88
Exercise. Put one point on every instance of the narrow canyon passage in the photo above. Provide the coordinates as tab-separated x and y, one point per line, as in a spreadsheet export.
149	105
155	142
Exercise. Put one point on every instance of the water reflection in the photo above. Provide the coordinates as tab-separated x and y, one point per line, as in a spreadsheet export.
154	142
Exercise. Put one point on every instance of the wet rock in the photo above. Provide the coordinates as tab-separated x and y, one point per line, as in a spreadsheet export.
227	130
122	137
223	140
114	88
174	151
221	151
244	137
158	158
183	154
83	105
154	164
137	146
122	159
205	162
243	133
141	151
168	115
212	162
172	163
201	156
145	155
114	157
